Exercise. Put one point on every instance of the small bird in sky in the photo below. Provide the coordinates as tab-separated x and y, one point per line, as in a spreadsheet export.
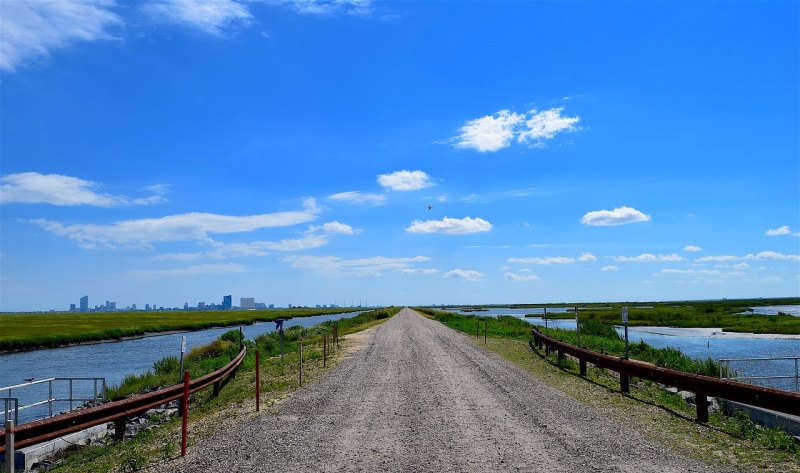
430	206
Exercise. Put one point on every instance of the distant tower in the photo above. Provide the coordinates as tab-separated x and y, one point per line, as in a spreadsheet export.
226	302
85	304
72	308
247	302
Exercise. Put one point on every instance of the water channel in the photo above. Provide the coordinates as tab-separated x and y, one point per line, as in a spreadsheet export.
112	360
698	343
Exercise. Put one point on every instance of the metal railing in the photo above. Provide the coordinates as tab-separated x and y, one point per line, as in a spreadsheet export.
757	379
98	394
703	386
118	412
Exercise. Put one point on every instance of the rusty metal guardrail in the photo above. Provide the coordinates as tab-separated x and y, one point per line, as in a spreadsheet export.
703	386
118	412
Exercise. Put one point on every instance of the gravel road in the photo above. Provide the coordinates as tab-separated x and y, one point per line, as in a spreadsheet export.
420	397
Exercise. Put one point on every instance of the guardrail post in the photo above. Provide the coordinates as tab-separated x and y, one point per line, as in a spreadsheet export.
560	357
701	400
216	389
119	429
477	329
258	383
185	412
624	382
324	350
9	446
583	367
485	329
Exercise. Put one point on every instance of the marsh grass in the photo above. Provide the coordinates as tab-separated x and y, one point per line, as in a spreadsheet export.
29	331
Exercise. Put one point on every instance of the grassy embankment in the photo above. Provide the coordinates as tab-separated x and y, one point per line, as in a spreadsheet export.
30	331
730	315
650	409
156	447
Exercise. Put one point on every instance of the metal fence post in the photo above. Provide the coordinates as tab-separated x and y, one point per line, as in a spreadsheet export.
185	409
119	429
258	383
9	446
324	350
485	329
50	398
796	375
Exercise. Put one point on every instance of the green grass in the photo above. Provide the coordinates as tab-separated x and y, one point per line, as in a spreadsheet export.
29	331
730	315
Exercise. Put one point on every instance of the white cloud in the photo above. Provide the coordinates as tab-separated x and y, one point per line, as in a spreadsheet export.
327	7
497	131
520	277
692	248
451	226
784	230
193	270
647	258
546	260
770	279
705	272
733	266
465	274
335	266
211	17
545	125
587	257
57	189
335	227
618	216
31	30
764	255
419	271
405	180
609	268
355	197
193	226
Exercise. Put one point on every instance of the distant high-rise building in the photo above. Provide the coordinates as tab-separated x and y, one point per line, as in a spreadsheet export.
85	304
272	306
72	307
147	307
261	305
133	306
185	306
227	302
201	306
111	306
247	303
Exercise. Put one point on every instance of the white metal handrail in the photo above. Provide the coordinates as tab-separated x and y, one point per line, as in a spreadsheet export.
727	363
99	393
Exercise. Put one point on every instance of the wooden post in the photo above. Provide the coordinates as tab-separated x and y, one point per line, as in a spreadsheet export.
477	329
324	350
560	357
624	382
583	367
185	408
258	383
9	446
701	400
119	429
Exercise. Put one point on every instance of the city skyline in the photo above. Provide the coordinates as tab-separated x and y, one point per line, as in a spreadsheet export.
406	153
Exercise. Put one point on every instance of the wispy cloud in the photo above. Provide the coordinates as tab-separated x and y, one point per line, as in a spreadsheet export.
609	268
618	216
58	189
355	197
764	255
520	277
32	30
784	230
193	270
419	271
499	130
405	180
692	248
212	17
647	258
451	226
327	7
194	226
465	274
332	266
584	257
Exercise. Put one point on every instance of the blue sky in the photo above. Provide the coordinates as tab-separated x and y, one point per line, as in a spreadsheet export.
176	151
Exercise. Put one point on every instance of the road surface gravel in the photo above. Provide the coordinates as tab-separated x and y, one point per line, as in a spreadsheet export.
420	397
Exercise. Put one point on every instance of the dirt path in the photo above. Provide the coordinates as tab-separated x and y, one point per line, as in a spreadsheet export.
420	397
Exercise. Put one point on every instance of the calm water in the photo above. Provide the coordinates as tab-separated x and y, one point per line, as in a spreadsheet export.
113	360
697	343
